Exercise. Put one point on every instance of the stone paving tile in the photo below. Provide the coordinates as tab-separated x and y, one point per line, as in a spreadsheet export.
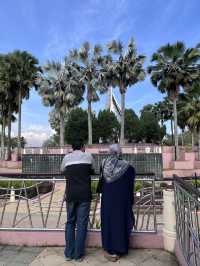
16	255
35	250
94	257
11	248
2	263
53	256
17	264
7	256
25	257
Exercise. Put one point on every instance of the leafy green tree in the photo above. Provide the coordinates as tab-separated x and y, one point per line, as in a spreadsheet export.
76	126
150	130
125	70
53	141
185	100
14	142
60	88
164	112
108	127
89	59
183	116
191	110
132	126
174	67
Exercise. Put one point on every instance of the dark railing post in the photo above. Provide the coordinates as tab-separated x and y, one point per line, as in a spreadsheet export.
188	224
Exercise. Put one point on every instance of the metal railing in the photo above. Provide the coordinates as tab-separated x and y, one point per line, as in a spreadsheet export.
39	204
187	203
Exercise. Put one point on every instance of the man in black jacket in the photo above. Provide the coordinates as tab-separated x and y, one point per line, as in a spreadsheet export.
77	168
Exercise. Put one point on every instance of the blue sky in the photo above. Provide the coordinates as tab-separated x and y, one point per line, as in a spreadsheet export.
48	29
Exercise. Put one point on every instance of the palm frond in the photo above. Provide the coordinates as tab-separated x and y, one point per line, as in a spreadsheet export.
73	54
86	46
115	47
97	50
198	45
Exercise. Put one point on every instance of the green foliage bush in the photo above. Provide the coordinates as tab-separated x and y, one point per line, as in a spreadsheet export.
15	184
31	190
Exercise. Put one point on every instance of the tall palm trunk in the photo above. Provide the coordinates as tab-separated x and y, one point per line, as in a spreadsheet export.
89	122
199	143
62	129
19	125
9	133
122	118
89	97
175	129
182	138
172	130
192	139
3	138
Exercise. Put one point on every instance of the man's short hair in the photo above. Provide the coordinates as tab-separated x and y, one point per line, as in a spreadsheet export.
77	145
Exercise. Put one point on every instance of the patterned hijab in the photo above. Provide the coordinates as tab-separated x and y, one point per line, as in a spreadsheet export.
113	167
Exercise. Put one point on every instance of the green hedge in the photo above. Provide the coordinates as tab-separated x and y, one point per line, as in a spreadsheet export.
31	190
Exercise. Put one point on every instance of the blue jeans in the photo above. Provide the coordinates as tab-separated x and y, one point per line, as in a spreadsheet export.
77	215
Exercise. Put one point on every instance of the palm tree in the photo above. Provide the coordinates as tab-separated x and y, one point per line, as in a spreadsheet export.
7	99
192	108
12	108
54	120
24	69
3	107
3	125
6	121
58	87
125	69
174	67
89	61
183	115
187	103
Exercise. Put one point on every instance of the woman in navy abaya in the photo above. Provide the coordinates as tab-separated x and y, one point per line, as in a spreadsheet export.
117	187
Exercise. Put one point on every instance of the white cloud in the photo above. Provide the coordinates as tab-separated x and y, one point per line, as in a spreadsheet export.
35	138
35	134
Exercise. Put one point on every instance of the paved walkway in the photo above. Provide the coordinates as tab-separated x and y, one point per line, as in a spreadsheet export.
37	256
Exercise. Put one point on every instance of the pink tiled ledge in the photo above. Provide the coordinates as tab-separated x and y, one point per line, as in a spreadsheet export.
56	238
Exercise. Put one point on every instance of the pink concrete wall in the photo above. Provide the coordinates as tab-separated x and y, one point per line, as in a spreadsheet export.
56	238
190	156
170	173
183	165
10	164
167	159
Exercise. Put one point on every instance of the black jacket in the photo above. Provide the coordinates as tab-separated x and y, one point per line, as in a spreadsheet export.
77	168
